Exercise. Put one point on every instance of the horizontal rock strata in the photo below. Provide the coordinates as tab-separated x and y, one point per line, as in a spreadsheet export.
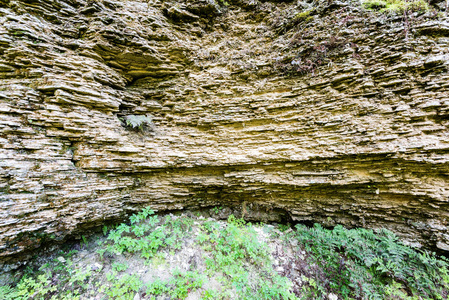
330	114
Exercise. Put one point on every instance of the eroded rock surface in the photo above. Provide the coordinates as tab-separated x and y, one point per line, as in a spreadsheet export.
330	114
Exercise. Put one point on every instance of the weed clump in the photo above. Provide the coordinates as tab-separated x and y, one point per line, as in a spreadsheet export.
304	16
138	122
397	6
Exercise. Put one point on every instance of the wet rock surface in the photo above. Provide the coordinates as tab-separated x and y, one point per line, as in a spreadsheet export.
339	117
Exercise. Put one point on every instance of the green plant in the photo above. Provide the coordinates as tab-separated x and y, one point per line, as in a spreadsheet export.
178	286
147	234
304	16
157	287
217	209
235	251
41	286
119	267
210	295
7	293
360	263
79	276
223	2
284	227
84	241
101	252
138	122
398	6
124	287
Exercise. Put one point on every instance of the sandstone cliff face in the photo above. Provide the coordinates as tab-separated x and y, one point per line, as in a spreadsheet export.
336	115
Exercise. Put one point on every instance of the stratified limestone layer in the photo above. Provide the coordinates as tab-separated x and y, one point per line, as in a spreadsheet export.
338	115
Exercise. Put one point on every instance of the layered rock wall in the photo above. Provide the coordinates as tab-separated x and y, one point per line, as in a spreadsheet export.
327	113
